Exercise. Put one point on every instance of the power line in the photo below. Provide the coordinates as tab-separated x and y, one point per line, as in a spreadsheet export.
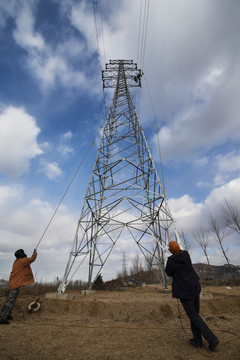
145	34
96	29
139	32
142	32
142	41
98	44
100	11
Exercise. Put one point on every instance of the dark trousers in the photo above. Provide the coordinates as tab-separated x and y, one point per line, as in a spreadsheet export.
9	303
198	326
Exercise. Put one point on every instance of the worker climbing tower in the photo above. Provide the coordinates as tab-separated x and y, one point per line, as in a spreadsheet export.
125	200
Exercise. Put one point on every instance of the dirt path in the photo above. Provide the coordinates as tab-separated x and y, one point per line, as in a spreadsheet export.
140	323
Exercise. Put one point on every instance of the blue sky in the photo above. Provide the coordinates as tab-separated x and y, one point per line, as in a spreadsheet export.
52	109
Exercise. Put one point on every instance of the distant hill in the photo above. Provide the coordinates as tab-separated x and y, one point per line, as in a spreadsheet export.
213	272
220	275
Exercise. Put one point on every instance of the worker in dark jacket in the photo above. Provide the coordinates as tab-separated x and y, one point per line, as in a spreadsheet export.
186	287
21	275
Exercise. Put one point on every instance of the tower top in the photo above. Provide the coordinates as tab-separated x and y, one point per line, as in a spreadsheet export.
132	73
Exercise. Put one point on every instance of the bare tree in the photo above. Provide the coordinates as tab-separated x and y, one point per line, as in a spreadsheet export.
218	233
231	216
201	238
148	262
136	265
187	242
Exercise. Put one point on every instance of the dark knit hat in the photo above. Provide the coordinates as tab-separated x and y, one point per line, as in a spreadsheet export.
20	254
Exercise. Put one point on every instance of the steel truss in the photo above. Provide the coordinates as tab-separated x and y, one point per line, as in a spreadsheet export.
125	199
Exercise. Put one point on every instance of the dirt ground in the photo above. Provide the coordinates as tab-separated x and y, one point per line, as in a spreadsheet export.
141	323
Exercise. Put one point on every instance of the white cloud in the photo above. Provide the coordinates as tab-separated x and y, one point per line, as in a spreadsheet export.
65	149
18	141
8	194
227	165
67	136
23	221
229	162
24	34
193	72
51	65
229	191
7	8
83	20
201	161
190	215
51	170
186	213
196	126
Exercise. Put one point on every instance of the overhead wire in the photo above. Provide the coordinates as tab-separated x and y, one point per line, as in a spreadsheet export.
139	31
95	7
141	51
96	29
144	33
103	42
141	43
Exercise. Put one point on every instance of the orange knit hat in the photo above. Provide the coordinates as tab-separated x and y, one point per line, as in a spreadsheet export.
174	248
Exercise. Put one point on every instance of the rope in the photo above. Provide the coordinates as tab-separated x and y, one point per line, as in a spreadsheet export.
105	327
159	151
93	142
123	327
65	193
180	318
209	354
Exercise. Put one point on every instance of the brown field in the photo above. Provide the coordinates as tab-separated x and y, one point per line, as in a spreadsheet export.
140	323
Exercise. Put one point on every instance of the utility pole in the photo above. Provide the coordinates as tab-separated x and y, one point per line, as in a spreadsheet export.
124	266
125	198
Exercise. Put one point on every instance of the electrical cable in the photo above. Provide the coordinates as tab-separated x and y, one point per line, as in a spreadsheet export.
145	33
98	46
141	47
100	11
139	31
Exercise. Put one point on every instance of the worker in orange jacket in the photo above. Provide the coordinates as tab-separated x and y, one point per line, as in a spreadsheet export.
21	275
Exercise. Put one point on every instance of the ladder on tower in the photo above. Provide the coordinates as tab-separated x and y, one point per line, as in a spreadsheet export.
125	199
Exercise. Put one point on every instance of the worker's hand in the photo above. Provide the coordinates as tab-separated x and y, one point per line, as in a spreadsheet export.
35	251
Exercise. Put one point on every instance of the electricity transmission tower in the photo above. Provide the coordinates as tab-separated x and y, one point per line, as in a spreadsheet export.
125	200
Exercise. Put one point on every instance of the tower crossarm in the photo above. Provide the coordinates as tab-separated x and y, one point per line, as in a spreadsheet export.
132	73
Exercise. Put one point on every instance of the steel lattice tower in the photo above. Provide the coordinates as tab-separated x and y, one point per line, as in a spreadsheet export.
125	198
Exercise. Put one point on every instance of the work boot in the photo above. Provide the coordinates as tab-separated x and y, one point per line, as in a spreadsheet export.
195	344
5	322
213	344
